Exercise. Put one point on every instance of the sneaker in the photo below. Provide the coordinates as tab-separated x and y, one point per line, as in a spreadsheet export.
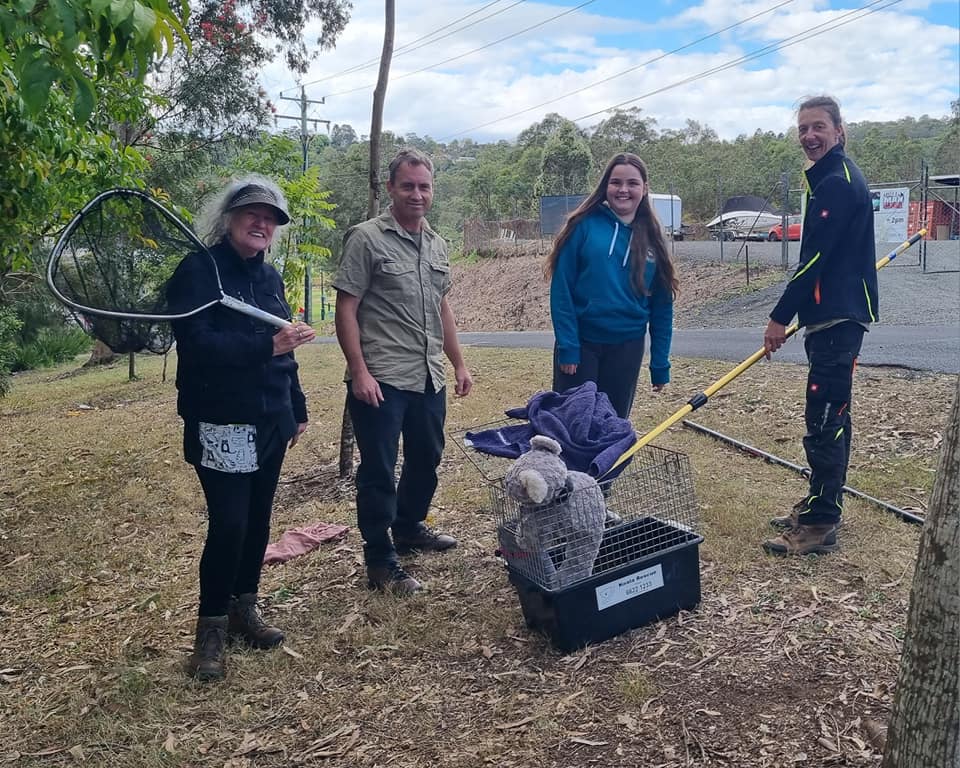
424	539
391	578
804	540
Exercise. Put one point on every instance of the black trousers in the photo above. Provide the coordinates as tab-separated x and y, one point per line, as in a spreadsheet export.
832	356
614	367
239	507
382	502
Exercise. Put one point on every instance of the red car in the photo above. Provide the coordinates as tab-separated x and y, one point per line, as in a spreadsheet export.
775	233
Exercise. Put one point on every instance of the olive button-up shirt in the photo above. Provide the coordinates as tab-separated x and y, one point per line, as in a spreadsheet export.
400	283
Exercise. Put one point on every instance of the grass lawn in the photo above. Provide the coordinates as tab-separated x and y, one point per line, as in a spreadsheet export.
782	664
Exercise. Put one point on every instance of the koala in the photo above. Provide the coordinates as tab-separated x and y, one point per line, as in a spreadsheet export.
558	508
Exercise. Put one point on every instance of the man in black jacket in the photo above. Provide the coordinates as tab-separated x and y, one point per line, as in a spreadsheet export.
833	294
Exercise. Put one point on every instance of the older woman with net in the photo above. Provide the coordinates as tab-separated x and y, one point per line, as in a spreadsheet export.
240	399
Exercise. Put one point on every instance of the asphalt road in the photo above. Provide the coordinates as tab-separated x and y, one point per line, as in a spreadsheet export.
917	347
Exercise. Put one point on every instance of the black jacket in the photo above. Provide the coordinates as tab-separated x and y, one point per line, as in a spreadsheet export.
226	370
837	275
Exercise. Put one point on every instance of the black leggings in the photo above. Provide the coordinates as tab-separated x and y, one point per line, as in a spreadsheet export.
239	507
614	367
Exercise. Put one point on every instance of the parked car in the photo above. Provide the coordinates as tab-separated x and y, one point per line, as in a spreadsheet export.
775	233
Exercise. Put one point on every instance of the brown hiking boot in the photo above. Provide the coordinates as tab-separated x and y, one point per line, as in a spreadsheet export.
391	578
786	522
804	540
425	539
246	623
208	662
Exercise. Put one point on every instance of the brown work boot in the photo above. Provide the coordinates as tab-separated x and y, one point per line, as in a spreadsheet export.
804	540
786	522
208	660
391	578
247	624
424	539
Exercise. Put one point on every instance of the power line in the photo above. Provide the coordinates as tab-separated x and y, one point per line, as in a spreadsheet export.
787	42
621	74
469	53
408	47
759	53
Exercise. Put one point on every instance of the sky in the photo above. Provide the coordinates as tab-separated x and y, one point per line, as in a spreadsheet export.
485	70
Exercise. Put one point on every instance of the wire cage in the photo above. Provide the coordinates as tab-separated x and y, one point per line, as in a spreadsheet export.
648	510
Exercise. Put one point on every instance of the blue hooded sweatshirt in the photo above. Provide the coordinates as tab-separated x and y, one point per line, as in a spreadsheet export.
593	299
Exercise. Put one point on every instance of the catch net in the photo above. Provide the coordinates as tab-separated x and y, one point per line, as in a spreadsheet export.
111	266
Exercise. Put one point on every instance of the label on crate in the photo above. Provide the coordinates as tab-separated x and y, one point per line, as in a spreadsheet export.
614	592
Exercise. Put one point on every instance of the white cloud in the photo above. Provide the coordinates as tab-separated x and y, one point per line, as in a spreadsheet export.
882	66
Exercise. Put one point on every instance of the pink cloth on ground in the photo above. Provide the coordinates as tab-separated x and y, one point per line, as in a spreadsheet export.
298	541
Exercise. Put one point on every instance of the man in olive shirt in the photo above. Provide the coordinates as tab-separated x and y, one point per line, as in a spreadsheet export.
394	324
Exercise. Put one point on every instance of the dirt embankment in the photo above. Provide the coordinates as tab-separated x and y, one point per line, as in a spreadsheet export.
510	293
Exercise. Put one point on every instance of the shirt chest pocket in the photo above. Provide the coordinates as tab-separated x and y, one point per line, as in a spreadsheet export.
440	278
398	280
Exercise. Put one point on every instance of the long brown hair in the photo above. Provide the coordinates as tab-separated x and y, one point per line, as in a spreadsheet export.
647	231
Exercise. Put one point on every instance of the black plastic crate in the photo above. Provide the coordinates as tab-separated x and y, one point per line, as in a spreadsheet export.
629	588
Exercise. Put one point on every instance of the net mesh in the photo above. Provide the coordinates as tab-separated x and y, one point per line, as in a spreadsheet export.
116	257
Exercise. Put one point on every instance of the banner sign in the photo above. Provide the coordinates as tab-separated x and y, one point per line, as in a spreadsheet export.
890	207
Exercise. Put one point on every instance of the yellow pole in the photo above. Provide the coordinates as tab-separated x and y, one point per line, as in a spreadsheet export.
701	398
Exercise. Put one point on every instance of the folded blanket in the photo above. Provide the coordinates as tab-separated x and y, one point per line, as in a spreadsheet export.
298	541
582	420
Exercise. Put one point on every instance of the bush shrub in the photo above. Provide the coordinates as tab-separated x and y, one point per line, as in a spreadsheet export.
50	346
9	328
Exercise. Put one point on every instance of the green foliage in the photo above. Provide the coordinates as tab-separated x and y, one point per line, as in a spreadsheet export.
504	180
65	87
566	164
34	332
74	44
10	326
303	241
49	347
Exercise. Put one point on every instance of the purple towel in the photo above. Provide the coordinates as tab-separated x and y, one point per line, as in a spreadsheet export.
581	419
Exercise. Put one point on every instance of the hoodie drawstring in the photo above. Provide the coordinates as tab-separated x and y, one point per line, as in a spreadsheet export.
613	242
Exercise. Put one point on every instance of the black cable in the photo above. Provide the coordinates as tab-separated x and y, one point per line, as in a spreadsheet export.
406	48
468	53
759	53
624	72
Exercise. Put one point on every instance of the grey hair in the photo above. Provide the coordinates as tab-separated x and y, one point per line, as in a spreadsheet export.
214	220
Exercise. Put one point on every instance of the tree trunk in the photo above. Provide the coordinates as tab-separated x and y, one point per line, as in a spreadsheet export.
101	355
346	444
925	723
379	96
373	201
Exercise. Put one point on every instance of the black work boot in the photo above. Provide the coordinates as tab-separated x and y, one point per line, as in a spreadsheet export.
391	578
422	539
208	660
247	624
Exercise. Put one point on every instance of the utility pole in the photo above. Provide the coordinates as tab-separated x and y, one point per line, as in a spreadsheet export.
305	144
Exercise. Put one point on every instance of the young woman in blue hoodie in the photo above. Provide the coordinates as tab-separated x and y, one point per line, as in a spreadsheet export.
612	281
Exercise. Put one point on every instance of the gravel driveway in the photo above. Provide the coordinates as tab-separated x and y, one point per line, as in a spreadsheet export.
909	294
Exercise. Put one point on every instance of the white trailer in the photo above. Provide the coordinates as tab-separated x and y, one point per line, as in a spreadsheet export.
668	209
